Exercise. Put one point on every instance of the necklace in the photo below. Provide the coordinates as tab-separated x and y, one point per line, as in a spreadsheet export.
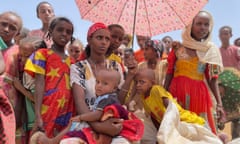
96	65
63	56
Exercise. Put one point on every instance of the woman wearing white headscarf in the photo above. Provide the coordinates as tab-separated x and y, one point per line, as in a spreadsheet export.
190	63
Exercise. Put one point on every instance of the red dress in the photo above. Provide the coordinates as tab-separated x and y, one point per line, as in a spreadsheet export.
57	104
188	84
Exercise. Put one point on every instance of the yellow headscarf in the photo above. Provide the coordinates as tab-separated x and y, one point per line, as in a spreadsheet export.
207	52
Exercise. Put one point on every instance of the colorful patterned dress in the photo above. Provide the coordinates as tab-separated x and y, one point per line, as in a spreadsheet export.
188	84
229	83
57	104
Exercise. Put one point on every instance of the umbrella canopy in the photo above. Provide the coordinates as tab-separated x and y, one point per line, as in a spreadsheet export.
142	17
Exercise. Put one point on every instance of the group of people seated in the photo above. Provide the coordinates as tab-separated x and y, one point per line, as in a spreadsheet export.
55	90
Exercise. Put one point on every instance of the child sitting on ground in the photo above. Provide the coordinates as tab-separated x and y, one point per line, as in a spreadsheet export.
155	99
106	105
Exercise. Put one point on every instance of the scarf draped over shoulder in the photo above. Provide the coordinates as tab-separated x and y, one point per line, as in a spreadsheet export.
207	52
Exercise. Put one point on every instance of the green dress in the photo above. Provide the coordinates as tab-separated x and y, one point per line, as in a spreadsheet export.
229	83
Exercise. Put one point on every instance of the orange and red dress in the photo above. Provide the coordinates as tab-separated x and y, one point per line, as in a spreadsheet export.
188	84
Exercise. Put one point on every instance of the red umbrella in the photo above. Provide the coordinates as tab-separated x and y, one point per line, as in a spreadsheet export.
142	17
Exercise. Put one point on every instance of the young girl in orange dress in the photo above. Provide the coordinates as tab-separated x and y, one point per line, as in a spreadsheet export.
53	100
190	64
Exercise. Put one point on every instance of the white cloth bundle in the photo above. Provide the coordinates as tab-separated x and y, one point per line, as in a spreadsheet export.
172	130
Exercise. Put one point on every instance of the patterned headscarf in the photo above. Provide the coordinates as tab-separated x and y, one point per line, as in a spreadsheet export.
95	27
158	46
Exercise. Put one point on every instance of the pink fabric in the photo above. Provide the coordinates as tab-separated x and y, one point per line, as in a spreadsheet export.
7	121
11	71
231	57
153	16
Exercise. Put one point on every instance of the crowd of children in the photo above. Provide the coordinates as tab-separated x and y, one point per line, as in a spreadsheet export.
55	90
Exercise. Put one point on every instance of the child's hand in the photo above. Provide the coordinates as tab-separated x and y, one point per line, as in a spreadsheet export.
221	116
76	119
131	106
38	126
17	83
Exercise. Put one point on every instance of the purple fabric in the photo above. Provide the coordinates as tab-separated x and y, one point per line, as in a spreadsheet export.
78	134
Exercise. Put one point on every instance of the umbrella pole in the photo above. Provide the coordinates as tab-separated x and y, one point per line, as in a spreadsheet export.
134	22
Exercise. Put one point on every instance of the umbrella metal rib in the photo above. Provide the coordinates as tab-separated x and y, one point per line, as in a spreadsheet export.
148	18
134	22
176	13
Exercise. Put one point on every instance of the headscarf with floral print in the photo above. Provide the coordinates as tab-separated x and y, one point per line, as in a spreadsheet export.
157	45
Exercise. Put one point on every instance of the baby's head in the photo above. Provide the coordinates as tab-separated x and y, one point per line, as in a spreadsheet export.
107	81
145	79
28	45
74	48
23	34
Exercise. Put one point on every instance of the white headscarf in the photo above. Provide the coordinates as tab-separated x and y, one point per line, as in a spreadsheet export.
207	52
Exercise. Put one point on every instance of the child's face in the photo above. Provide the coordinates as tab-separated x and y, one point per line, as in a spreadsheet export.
149	53
45	13
25	51
9	26
62	33
104	85
225	35
200	26
141	40
117	35
168	42
74	51
19	37
126	40
237	43
143	85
